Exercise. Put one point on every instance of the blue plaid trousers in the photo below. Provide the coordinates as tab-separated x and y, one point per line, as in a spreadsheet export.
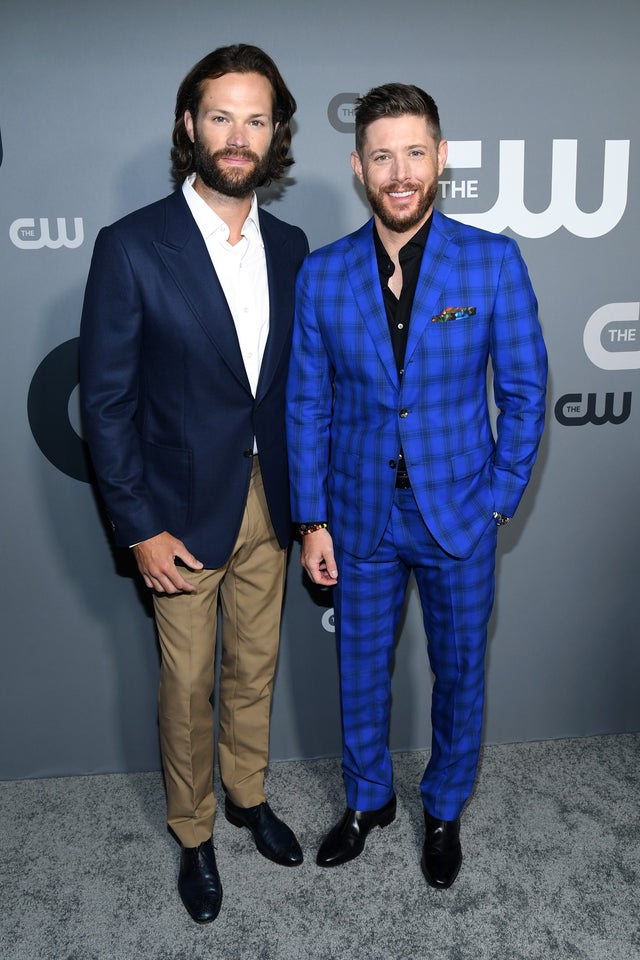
457	599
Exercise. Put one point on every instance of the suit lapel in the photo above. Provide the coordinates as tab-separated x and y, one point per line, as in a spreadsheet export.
362	270
439	256
280	314
186	258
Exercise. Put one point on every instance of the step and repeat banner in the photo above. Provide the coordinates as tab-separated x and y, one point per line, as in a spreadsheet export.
539	104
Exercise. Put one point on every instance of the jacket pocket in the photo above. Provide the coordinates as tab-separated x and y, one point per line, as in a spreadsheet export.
344	461
168	474
471	463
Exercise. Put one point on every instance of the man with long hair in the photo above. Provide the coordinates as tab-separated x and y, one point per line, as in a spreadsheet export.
394	464
185	341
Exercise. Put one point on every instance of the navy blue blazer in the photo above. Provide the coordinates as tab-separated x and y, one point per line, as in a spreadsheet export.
167	408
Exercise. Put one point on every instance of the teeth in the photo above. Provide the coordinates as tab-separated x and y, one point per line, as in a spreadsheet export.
405	193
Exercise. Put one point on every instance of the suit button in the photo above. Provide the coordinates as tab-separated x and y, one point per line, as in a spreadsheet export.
404	413
247	453
393	464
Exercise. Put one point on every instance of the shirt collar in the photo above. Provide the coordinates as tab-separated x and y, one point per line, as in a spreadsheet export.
413	247
208	221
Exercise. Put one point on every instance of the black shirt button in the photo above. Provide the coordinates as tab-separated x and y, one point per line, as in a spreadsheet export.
247	453
404	413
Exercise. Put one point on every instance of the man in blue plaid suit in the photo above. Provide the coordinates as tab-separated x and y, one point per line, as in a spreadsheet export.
394	466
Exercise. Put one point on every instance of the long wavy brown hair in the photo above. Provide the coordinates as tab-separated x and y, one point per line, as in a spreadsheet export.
238	58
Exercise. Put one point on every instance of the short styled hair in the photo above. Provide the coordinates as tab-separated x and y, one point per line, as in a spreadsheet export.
395	100
238	58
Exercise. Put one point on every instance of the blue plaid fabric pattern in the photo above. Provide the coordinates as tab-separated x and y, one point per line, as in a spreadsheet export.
457	598
349	414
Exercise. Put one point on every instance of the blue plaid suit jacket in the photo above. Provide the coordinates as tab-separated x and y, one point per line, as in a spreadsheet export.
348	413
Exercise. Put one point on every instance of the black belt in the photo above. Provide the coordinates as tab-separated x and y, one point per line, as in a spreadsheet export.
402	481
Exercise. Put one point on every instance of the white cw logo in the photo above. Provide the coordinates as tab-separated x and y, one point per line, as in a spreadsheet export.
509	210
24	235
612	336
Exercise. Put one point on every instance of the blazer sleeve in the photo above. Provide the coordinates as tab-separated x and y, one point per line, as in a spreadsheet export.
110	381
309	405
519	361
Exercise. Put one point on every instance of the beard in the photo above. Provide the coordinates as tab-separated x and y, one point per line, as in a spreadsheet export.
401	221
230	182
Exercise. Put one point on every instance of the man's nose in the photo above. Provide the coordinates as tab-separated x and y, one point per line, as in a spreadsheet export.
237	136
400	169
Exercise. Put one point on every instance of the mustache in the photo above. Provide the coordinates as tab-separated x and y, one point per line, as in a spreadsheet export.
235	152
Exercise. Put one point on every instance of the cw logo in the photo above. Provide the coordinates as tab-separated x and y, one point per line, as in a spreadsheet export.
612	337
48	410
23	234
569	410
509	210
328	621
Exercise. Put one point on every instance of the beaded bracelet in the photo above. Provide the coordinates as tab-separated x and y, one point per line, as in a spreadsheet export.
305	528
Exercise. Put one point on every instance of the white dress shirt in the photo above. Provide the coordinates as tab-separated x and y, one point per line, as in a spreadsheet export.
242	272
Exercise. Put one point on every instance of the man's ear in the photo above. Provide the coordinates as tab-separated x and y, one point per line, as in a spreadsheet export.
188	125
443	153
356	165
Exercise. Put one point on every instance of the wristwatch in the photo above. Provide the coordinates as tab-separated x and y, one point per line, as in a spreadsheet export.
500	519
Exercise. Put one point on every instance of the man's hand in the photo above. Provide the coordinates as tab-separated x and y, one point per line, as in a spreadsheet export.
317	557
155	558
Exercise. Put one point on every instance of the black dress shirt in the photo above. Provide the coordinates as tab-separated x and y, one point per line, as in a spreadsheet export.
399	309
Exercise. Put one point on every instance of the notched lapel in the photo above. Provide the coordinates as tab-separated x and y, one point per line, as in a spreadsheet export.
280	312
362	270
186	258
438	259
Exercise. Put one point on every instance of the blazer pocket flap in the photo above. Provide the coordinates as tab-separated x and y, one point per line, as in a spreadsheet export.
168	477
470	463
344	461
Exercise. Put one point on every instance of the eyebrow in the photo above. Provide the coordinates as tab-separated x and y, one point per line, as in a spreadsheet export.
410	146
229	113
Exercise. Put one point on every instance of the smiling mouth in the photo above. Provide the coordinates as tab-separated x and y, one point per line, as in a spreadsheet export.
400	194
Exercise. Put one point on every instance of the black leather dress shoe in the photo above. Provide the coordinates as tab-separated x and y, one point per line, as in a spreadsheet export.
346	840
199	882
441	853
274	839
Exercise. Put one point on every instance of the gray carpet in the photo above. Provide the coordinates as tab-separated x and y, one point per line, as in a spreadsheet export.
551	868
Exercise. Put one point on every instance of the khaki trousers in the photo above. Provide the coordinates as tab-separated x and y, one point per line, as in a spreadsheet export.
250	588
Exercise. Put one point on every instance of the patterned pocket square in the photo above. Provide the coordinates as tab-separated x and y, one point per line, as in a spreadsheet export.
453	313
